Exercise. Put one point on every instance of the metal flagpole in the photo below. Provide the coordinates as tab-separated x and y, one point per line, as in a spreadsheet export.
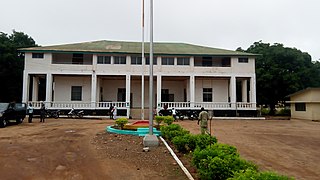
142	64
151	71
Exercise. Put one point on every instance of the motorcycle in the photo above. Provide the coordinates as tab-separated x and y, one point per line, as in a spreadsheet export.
179	115
74	114
52	113
192	115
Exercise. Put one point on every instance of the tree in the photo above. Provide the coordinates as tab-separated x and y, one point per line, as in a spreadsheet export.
12	64
281	71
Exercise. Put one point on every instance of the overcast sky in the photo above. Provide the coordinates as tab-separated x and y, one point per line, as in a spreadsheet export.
227	24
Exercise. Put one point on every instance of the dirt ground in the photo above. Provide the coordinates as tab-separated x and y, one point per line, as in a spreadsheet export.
289	147
81	149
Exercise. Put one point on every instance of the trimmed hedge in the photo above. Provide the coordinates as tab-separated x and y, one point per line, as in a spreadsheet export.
173	130
121	122
253	174
219	161
214	160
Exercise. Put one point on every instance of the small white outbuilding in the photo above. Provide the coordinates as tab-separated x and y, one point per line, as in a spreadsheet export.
305	104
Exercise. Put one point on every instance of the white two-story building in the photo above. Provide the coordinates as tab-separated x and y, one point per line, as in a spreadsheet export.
95	75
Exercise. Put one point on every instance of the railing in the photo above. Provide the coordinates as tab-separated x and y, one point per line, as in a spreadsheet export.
69	105
126	105
80	105
209	105
103	105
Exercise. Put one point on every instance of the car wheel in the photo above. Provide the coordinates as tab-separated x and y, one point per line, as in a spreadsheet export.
3	123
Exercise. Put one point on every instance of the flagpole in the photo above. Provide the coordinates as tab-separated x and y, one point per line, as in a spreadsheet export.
142	64
151	71
151	139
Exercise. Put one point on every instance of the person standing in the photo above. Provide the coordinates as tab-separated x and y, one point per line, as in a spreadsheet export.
30	112
111	111
174	113
114	113
203	119
42	112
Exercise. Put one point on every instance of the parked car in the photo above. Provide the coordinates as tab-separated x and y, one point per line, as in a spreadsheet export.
12	111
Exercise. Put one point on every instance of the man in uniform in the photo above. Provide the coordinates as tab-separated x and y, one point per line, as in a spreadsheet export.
203	119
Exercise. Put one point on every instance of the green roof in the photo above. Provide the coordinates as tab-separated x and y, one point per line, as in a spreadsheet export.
135	48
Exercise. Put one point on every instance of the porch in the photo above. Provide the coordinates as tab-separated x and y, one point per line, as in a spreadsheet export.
97	93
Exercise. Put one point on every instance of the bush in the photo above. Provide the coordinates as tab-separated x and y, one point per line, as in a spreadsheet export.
214	150
203	140
189	142
181	142
168	119
219	161
253	174
265	111
283	112
159	119
173	130
121	122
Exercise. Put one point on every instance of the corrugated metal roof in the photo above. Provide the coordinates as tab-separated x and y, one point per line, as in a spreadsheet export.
304	90
135	48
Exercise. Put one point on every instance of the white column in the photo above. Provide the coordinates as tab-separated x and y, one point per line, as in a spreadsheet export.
35	88
192	62
25	87
128	91
253	96
244	90
233	91
192	90
159	86
93	89
94	62
49	88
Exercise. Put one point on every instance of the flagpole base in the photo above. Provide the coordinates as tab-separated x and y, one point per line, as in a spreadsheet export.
150	141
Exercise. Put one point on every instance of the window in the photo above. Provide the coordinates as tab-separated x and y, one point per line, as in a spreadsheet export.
300	106
207	94
121	97
226	62
136	60
207	61
104	59
167	61
77	59
165	96
183	61
243	60
37	55
119	60
154	60
76	93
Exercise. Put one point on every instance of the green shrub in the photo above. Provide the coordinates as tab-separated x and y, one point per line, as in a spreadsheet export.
265	111
253	174
173	130
214	150
121	122
159	119
168	120
219	161
189	142
181	142
283	112
203	140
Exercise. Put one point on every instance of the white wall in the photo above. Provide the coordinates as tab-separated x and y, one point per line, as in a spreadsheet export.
63	84
110	88
176	88
219	89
